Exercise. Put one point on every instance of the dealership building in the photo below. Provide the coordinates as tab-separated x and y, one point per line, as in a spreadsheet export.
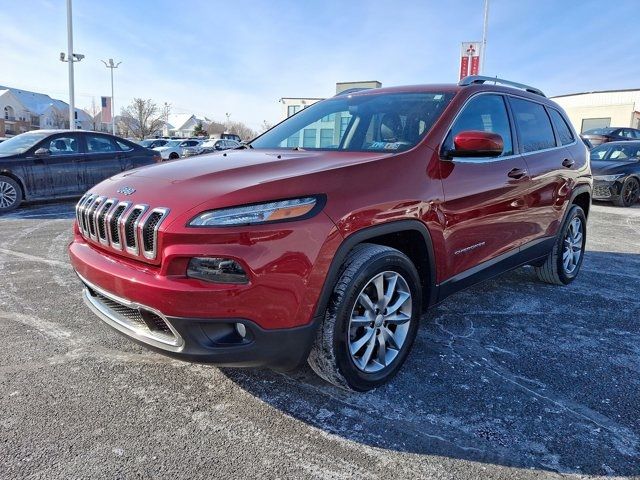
607	108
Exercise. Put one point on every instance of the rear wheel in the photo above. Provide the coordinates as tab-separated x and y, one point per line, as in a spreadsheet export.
10	194
173	156
563	263
371	320
629	193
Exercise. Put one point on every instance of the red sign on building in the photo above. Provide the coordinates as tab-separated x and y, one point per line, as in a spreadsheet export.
469	59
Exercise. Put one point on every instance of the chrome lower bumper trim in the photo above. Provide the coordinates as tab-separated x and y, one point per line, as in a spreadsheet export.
126	326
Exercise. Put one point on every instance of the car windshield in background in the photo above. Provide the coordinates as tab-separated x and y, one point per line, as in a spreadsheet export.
172	143
389	122
147	143
599	131
616	153
21	143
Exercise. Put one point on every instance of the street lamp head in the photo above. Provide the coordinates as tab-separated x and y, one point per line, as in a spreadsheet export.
78	56
111	62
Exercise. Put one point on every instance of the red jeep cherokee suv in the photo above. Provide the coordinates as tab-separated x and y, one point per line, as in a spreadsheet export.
327	237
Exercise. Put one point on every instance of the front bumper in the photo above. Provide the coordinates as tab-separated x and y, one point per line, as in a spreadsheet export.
603	190
214	341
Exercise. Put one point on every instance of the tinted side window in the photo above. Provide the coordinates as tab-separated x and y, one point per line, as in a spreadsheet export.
486	113
564	132
62	145
96	144
533	124
125	147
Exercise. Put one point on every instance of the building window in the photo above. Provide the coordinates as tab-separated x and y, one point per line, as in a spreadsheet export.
294	140
326	137
344	123
291	109
9	114
591	123
309	138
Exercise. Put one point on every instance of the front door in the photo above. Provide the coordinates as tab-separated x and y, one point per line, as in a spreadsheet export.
59	161
484	207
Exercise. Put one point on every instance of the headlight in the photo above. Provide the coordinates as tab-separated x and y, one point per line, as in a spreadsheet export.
260	213
608	178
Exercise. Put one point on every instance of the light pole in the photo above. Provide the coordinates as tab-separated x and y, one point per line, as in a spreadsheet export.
111	65
484	34
71	59
228	116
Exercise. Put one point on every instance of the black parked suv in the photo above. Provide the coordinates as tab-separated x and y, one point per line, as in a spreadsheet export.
46	164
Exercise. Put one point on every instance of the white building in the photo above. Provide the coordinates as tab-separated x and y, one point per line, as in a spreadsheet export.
610	108
183	124
22	110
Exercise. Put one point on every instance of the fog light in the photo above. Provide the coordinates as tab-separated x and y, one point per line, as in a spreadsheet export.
218	270
241	329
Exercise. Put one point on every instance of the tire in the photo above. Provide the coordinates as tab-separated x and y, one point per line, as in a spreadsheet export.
629	193
393	333
11	194
555	270
173	156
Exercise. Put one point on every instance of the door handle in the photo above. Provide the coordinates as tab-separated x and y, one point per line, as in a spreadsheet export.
567	162
517	173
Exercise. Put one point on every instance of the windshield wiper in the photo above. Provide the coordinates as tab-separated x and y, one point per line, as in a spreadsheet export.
242	147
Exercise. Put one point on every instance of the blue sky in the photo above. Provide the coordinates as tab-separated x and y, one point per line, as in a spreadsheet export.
212	57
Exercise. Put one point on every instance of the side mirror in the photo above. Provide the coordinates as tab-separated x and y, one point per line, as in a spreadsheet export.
218	146
42	152
476	143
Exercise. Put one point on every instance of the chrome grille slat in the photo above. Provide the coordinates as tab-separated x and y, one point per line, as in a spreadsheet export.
91	217
100	220
129	226
120	225
149	232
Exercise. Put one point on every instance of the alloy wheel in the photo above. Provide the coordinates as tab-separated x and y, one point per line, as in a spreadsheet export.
572	251
8	195
630	193
380	321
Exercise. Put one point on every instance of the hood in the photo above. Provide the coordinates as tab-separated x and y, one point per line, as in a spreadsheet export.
234	177
610	167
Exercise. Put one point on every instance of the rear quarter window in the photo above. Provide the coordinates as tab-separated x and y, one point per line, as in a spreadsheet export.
563	129
534	125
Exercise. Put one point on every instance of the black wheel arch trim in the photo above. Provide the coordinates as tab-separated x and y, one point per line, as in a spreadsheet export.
368	233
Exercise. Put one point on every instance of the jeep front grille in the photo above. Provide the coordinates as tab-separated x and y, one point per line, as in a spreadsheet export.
120	225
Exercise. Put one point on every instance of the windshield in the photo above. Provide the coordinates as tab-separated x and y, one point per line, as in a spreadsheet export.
20	143
172	143
389	122
616	153
599	131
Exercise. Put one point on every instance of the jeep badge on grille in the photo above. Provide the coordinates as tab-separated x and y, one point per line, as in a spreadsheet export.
126	190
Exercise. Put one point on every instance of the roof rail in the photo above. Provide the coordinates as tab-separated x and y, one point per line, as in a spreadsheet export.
349	91
479	79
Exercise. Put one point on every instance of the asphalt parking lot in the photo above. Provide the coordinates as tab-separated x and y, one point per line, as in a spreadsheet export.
509	379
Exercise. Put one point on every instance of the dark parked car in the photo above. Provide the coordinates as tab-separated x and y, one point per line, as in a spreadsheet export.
616	172
599	136
46	164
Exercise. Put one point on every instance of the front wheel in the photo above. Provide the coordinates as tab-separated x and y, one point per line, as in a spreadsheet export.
10	194
371	320
563	263
629	193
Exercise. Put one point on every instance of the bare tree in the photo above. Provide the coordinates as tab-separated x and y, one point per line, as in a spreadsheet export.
242	130
216	128
141	118
93	110
265	126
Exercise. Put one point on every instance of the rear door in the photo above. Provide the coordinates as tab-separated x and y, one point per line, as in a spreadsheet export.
549	164
484	203
134	156
104	158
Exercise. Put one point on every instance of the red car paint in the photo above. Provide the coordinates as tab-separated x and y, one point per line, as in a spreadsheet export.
473	212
